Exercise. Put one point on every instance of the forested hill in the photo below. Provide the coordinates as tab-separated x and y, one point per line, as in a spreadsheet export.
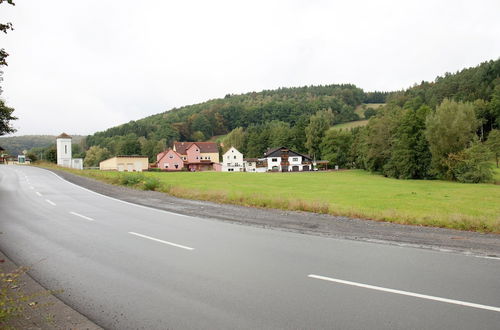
219	116
15	145
402	138
467	85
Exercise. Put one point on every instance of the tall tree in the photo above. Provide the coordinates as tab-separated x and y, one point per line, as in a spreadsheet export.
493	143
336	146
319	123
5	112
449	130
279	134
236	138
410	155
95	155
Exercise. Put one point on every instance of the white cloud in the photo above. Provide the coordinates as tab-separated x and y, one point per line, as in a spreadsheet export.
85	66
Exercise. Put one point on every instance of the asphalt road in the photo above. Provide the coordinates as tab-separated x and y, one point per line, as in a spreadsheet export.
126	267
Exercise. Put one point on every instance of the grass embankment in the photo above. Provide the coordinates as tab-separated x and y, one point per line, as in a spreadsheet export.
354	193
350	124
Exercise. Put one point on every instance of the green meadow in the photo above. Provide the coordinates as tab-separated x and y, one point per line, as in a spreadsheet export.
353	193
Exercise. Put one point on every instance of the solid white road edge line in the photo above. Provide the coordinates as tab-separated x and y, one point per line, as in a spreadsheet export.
81	216
116	199
406	293
162	241
50	202
38	193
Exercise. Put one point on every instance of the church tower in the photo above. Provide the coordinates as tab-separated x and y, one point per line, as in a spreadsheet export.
63	143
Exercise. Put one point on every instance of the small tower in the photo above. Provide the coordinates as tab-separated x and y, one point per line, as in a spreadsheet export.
63	142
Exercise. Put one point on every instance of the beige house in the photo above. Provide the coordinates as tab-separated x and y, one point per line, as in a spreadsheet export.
125	164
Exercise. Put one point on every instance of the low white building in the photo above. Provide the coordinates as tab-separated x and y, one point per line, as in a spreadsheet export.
232	161
64	154
255	165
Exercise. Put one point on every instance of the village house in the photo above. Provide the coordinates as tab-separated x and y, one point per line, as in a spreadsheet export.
198	156
125	164
283	159
255	165
169	160
232	161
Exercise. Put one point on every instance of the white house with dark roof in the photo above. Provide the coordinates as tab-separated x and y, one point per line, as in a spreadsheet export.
283	159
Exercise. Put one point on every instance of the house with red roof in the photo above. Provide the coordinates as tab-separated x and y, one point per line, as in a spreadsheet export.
196	156
169	160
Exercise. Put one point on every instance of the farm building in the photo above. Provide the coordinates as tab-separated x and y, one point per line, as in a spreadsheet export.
125	164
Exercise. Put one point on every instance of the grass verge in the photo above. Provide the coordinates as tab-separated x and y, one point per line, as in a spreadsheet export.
355	193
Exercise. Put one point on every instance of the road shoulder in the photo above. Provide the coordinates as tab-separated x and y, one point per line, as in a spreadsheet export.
43	310
303	222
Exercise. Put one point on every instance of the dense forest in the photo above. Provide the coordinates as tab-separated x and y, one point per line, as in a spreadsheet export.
199	122
446	129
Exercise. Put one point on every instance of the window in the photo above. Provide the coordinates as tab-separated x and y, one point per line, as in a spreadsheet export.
295	159
234	157
65	149
171	156
166	165
274	159
230	169
196	157
227	157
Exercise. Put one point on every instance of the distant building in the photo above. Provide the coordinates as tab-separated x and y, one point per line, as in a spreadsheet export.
125	164
64	154
198	156
255	165
169	160
283	159
232	161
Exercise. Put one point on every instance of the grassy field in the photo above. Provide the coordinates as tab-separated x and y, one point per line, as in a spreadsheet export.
360	109
350	124
354	193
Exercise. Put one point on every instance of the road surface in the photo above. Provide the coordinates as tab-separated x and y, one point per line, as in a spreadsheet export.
130	267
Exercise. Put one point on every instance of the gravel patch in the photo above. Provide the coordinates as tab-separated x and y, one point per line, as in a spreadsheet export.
303	222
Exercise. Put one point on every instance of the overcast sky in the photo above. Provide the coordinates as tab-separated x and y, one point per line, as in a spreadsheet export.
84	66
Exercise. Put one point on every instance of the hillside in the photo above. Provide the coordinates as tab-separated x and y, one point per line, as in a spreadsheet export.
16	144
220	116
298	117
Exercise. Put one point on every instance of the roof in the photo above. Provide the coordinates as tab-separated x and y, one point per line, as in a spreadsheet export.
205	147
278	152
129	156
63	136
251	159
163	153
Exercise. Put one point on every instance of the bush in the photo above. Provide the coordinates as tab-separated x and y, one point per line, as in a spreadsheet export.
150	184
131	179
472	164
370	113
